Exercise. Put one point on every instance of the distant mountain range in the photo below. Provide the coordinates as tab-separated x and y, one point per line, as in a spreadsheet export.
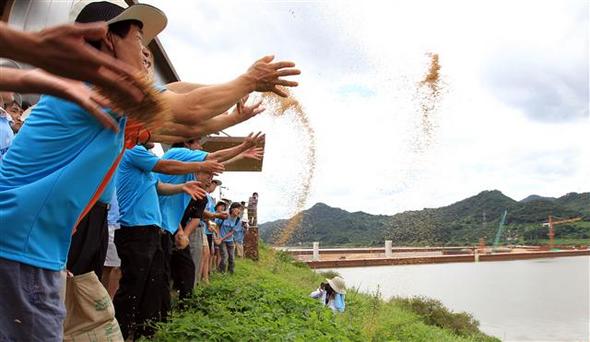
464	222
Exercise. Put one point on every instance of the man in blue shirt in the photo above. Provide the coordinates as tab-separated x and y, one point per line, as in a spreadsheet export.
239	235
183	262
44	195
144	248
209	249
227	229
173	207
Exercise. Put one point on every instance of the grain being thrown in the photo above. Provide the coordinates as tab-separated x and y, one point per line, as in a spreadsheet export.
278	107
428	96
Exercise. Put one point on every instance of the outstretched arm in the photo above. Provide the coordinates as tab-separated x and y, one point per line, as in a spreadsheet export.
38	81
209	215
175	132
181	87
204	103
63	50
175	167
254	153
191	188
225	155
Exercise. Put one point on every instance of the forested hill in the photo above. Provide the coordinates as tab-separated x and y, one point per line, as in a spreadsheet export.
464	222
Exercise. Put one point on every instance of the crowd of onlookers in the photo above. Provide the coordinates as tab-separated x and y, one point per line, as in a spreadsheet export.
82	197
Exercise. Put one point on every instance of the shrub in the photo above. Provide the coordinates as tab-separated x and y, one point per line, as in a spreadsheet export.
433	312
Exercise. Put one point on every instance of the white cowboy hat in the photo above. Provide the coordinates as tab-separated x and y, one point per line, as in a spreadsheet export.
152	18
337	284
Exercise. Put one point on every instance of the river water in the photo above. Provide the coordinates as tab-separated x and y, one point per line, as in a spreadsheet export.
522	300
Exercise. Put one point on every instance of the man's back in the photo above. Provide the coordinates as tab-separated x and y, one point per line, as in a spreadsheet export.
60	148
136	189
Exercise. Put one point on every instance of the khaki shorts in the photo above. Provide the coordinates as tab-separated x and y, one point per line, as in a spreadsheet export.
239	249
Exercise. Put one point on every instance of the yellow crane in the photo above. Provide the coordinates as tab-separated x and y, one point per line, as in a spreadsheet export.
552	222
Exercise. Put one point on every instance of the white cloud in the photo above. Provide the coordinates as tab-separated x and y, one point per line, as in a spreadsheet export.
361	62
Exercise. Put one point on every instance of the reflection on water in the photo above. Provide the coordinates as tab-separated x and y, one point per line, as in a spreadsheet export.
524	300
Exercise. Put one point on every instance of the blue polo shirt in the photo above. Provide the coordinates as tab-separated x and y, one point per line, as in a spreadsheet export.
136	189
239	233
50	173
172	207
228	225
210	207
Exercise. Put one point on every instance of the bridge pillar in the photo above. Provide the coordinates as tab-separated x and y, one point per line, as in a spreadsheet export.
388	249
316	251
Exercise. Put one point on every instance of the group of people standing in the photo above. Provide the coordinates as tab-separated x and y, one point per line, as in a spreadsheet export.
78	167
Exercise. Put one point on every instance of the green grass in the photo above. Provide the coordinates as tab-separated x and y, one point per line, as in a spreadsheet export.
268	301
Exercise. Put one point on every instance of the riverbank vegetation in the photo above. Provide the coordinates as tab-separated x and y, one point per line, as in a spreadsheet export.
268	301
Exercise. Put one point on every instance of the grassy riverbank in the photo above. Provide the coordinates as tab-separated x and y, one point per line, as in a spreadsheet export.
268	301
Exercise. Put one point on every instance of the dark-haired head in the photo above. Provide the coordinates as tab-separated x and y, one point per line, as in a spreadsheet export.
221	205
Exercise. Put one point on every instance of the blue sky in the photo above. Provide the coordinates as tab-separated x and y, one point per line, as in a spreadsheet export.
514	114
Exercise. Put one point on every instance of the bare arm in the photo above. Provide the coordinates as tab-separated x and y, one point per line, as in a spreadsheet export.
175	132
229	234
191	226
191	188
40	82
232	152
63	50
255	153
227	154
181	87
206	102
209	215
175	167
167	189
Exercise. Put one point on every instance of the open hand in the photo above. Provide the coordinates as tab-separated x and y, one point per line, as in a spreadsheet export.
243	112
267	75
212	166
194	189
63	50
254	139
255	153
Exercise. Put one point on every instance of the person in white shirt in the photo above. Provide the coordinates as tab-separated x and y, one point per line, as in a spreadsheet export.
332	293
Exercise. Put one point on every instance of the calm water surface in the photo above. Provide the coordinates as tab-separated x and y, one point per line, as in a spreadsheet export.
523	300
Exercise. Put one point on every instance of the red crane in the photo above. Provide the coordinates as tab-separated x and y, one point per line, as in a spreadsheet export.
551	223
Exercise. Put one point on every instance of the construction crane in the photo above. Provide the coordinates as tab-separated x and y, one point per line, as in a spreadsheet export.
500	231
551	222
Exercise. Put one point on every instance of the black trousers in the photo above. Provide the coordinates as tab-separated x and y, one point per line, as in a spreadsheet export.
144	291
88	249
183	272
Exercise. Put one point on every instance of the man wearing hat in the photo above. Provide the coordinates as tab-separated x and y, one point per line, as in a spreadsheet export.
43	195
